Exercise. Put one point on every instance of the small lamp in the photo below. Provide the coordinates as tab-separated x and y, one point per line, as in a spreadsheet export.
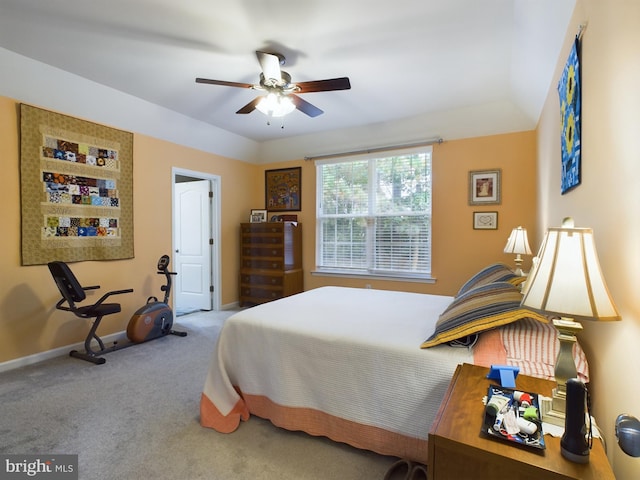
567	282
518	243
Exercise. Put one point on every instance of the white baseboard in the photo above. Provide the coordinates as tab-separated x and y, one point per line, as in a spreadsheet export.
56	352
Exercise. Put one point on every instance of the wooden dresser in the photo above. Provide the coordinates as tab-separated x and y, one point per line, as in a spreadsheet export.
270	261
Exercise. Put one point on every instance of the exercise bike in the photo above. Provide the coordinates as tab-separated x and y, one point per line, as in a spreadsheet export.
153	320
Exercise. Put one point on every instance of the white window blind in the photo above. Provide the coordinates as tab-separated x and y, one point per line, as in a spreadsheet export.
374	214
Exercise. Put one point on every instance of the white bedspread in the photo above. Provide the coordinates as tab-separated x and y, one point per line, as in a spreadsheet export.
351	353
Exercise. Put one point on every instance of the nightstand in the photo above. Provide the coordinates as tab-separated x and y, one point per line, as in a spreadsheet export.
457	448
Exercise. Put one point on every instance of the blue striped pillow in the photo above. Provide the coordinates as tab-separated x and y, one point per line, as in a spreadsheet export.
498	272
481	308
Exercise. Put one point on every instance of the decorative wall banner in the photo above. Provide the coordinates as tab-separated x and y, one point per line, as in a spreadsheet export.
569	92
76	189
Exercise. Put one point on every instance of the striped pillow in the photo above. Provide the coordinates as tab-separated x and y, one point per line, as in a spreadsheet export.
498	272
534	347
481	308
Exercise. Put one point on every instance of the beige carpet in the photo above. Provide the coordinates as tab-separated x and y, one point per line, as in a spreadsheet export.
137	417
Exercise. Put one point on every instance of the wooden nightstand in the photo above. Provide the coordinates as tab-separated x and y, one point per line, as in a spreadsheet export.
458	450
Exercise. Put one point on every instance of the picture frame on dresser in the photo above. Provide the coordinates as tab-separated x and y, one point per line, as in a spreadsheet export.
258	216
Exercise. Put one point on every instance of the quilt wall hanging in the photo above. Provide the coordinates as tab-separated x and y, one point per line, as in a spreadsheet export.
570	110
76	189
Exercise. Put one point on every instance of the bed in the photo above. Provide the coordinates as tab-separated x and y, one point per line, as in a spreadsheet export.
369	367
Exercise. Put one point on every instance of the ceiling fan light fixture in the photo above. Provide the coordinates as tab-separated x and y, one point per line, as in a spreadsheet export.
276	105
280	95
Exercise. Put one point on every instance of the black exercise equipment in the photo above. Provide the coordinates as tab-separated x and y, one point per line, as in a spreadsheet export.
154	320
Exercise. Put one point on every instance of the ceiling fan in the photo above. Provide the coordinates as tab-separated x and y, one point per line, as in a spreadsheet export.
281	95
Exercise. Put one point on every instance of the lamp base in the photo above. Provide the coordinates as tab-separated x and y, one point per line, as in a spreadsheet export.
565	369
521	273
553	411
518	271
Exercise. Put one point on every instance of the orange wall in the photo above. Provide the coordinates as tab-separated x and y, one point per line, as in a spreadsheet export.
239	188
458	251
30	324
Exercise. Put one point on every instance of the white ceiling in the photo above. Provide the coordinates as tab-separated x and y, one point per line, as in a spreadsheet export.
405	58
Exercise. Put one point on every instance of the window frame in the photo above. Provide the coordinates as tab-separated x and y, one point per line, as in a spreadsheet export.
370	216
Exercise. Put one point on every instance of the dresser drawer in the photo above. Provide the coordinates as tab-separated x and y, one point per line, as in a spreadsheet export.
262	228
263	251
261	263
261	279
261	292
262	239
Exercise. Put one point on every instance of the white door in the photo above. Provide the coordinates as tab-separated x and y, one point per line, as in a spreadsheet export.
192	247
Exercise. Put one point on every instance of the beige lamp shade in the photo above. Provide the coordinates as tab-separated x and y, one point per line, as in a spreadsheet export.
518	242
567	279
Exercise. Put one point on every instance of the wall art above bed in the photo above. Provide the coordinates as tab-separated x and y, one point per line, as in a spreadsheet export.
76	181
485	220
484	187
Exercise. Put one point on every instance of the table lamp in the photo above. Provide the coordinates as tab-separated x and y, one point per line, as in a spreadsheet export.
566	281
518	243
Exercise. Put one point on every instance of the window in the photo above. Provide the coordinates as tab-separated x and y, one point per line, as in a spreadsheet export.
374	214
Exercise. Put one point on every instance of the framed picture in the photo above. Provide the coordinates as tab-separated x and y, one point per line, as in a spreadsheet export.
282	189
484	187
485	220
258	216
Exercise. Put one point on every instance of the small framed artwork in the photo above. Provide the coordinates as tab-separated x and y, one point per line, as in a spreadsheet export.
282	189
485	220
258	216
484	187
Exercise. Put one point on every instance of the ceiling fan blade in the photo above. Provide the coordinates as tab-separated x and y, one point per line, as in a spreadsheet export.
306	107
251	106
270	65
225	83
341	83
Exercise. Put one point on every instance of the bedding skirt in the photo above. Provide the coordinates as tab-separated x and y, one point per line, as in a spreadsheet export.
344	363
